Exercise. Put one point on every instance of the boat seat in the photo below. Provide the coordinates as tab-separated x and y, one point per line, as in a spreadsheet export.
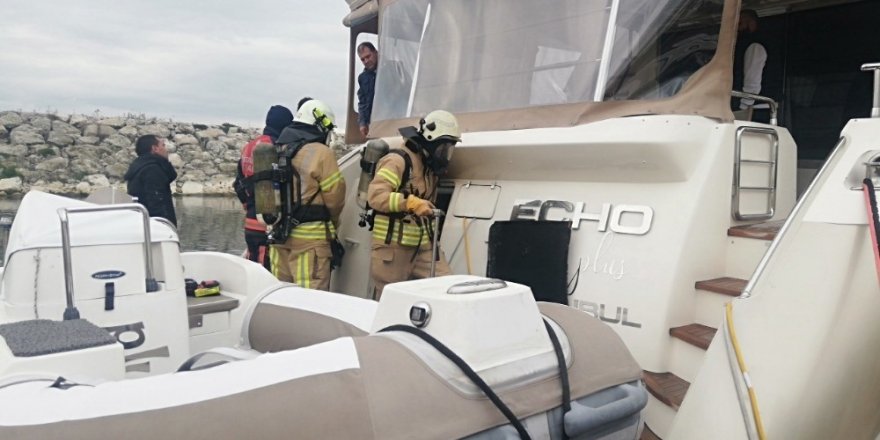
293	317
216	356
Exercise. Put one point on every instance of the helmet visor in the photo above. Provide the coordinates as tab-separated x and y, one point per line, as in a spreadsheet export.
444	151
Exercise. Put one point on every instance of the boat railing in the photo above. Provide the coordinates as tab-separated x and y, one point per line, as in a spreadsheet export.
64	213
774	106
875	107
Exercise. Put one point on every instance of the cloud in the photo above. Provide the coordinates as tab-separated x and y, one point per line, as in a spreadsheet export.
199	61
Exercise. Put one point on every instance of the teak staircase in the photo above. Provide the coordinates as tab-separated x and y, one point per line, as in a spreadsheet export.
746	246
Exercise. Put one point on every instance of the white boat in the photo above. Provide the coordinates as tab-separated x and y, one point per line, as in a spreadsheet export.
603	128
135	357
615	116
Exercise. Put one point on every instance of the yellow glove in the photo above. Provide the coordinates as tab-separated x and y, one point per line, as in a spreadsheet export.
419	207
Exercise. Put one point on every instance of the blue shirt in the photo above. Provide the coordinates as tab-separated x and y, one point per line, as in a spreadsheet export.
367	87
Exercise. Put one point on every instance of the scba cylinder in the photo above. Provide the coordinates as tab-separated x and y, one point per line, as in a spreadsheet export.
265	157
373	151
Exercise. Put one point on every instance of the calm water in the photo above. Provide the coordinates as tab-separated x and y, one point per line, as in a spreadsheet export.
204	223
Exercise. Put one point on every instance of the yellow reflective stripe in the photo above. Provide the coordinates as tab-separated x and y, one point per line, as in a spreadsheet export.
302	270
412	234
394	202
274	261
313	231
389	175
328	183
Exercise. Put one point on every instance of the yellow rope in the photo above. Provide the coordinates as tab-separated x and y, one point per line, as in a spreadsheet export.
467	248
753	398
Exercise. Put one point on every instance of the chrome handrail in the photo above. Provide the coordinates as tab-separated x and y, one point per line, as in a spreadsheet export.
875	107
63	213
774	107
774	245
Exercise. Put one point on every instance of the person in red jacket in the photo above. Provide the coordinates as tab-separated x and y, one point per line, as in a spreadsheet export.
277	118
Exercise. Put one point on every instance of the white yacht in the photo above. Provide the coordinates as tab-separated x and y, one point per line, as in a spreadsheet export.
708	283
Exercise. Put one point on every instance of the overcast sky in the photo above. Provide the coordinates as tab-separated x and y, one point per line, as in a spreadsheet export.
195	61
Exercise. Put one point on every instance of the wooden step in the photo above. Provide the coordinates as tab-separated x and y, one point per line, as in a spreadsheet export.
647	434
697	335
724	285
758	231
667	388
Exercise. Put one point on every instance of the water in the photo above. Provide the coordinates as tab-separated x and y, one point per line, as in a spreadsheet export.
204	224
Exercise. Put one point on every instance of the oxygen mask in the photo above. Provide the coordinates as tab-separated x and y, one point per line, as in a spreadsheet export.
439	155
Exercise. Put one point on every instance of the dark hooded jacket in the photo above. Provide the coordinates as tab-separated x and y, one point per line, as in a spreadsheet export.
149	178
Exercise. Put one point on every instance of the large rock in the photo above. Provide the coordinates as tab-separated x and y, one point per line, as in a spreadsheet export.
86	167
78	120
53	164
175	160
113	122
12	184
209	134
130	132
15	150
98	180
88	140
42	124
116	170
156	130
11	120
117	141
4	133
59	138
65	128
192	188
185	139
216	148
25	134
98	130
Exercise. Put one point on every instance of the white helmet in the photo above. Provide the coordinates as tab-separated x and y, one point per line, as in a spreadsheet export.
315	112
440	124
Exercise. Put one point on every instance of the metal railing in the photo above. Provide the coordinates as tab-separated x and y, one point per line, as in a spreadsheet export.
63	213
774	107
875	107
772	165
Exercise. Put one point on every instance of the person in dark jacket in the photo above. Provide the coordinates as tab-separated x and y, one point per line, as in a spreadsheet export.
149	177
255	237
366	84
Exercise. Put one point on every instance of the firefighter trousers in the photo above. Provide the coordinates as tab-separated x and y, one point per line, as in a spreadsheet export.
303	262
390	263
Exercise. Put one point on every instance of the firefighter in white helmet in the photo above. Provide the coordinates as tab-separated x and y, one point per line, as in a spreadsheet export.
310	250
403	193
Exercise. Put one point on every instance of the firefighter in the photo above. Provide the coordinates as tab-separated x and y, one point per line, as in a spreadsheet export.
277	119
403	193
319	194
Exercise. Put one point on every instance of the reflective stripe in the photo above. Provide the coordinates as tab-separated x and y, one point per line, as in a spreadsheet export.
394	200
389	175
412	233
274	261
303	274
328	183
254	224
312	231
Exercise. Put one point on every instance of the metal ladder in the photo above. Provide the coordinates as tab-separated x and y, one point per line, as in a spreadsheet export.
771	166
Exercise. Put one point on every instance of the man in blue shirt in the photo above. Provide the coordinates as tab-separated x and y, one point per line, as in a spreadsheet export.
367	84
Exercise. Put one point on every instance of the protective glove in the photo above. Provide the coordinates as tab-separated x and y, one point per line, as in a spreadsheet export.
419	206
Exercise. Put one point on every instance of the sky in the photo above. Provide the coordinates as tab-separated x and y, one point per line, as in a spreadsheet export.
186	60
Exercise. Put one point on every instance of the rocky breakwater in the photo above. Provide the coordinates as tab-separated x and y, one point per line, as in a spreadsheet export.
77	154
